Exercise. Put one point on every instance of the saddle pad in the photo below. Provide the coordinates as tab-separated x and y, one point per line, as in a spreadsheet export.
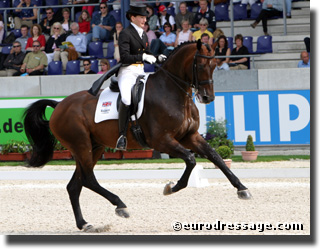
107	105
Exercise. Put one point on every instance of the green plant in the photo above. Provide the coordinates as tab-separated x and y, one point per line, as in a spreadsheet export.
13	146
59	147
249	144
111	150
217	134
224	152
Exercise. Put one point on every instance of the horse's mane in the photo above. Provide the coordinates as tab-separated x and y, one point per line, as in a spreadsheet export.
177	49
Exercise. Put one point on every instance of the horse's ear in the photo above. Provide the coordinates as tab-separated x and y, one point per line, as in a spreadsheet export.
199	44
213	46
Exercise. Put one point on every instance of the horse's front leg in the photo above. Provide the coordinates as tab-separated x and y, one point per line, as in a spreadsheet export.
175	149
197	144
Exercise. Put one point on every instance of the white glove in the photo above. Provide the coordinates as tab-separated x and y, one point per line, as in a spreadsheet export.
162	58
148	58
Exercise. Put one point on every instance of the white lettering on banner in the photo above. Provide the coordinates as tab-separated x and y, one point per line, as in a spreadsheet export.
264	118
219	108
286	125
240	134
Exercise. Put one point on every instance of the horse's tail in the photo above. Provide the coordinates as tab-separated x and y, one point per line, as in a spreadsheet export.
38	132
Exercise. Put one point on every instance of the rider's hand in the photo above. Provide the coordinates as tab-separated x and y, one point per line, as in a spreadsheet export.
162	58
148	58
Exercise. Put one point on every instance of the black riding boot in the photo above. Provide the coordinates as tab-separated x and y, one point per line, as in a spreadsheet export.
124	112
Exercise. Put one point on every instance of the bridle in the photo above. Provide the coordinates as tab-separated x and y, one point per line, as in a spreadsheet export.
195	81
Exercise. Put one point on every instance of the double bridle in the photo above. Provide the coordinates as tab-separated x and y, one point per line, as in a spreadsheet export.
195	81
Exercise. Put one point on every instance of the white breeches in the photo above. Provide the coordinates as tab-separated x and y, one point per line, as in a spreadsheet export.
127	78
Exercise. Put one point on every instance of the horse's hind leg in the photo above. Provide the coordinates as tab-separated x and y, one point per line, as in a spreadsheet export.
196	143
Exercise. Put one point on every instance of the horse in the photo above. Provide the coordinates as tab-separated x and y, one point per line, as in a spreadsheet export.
169	121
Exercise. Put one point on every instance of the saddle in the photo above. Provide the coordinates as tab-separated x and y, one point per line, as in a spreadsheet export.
136	94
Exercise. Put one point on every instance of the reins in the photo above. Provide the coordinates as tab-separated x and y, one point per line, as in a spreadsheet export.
196	82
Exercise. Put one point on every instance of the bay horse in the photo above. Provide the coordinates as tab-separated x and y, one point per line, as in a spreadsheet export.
170	123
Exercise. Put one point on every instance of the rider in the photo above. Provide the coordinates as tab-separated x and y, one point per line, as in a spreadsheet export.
134	49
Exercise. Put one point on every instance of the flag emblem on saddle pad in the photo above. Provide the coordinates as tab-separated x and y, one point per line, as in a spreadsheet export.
106	104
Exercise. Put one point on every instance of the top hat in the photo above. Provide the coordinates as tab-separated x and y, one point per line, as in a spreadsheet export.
137	10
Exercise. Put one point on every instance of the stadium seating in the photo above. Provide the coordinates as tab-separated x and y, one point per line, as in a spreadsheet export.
112	62
230	42
171	11
222	12
95	65
76	16
255	10
116	14
239	12
264	45
95	49
17	33
55	68
6	49
4	4
247	41
73	67
51	3
110	50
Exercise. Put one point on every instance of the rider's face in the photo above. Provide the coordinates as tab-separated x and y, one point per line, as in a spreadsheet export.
139	20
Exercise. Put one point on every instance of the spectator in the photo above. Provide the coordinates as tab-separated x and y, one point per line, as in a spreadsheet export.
165	43
164	17
84	22
101	25
116	34
166	4
184	14
105	66
270	8
205	38
47	22
87	68
152	18
288	8
1	29
305	60
307	43
185	34
13	61
27	16
204	12
66	21
90	9
150	33
79	42
193	5
34	62
23	39
57	36
36	35
246	1
239	62
220	65
222	48
203	24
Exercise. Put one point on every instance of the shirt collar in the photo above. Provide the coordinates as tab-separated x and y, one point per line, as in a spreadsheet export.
204	12
138	29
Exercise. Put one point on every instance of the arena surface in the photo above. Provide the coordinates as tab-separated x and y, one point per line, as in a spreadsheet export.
42	207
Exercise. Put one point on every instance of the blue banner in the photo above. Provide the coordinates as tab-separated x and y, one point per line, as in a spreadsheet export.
271	117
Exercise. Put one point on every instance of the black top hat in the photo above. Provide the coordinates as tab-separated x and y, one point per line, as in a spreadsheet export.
137	10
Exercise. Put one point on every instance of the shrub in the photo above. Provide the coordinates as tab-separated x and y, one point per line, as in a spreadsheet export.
224	152
13	146
59	147
249	144
111	150
217	135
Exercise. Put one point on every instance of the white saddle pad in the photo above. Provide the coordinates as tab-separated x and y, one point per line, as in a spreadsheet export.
107	105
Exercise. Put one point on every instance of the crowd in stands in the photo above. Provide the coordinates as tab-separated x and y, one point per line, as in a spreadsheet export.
58	38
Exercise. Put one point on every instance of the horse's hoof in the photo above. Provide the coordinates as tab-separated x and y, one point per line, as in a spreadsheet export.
244	194
122	212
88	228
168	188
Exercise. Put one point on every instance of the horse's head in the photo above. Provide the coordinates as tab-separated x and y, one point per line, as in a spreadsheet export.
203	66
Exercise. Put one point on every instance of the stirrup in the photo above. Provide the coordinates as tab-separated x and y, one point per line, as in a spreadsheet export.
121	143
